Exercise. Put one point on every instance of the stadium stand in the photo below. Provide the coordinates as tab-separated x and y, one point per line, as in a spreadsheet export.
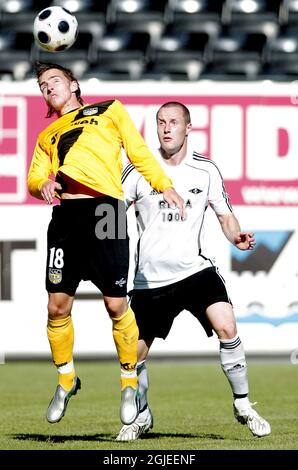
120	55
160	39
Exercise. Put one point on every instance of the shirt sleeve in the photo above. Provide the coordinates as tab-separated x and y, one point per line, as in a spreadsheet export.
138	152
218	197
39	171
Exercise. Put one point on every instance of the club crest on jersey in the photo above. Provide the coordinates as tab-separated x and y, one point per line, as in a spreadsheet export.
55	275
90	111
195	191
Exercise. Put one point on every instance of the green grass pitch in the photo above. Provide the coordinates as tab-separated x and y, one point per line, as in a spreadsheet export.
191	403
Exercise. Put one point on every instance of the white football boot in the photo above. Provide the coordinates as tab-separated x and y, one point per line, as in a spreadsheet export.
141	425
245	414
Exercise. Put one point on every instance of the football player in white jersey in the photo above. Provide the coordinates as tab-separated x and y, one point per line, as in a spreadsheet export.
173	270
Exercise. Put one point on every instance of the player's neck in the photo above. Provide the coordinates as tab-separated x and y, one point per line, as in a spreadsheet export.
68	107
173	159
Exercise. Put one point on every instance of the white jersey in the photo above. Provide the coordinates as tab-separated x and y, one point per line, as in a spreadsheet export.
170	249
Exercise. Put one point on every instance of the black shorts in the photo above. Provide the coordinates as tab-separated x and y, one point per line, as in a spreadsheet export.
156	309
87	240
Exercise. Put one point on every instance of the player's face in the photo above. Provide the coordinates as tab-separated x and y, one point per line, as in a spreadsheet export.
57	89
172	129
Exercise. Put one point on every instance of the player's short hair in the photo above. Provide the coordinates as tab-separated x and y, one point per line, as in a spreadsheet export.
173	104
42	67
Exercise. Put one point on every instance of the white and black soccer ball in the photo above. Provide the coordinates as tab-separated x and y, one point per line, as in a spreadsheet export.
55	29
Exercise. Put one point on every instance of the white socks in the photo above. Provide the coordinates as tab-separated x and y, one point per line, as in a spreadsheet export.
143	384
233	364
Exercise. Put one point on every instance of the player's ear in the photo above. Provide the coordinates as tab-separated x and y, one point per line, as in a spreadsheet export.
74	86
188	128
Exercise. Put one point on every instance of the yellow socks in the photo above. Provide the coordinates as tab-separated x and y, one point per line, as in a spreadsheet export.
61	338
126	334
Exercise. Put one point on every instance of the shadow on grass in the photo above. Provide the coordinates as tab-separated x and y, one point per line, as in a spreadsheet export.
107	437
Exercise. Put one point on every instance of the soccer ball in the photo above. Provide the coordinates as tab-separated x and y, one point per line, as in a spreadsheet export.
55	29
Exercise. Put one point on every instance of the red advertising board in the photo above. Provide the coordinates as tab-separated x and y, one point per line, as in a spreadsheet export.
253	139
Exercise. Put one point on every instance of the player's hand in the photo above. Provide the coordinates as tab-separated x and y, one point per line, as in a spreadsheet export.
245	241
174	200
48	190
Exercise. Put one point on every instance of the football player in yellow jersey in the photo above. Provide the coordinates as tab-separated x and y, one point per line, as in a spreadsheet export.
87	236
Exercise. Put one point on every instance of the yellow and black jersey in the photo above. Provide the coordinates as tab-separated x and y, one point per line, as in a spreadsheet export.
84	145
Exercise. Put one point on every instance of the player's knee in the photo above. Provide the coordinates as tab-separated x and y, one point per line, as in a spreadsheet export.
58	311
115	306
227	330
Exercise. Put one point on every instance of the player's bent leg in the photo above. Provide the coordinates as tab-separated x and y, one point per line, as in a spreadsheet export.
141	425
59	402
125	333
246	414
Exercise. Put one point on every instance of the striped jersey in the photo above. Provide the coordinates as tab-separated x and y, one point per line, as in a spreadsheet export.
85	145
170	249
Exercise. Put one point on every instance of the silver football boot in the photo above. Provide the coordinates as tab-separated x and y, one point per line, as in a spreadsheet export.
58	404
129	407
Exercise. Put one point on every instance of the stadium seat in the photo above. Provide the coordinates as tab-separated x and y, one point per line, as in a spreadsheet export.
235	44
170	69
289	12
181	53
121	10
80	50
13	66
237	53
13	40
78	66
84	10
14	13
282	56
120	52
258	16
195	11
210	27
147	16
15	7
236	11
15	53
110	69
232	70
198	16
189	44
